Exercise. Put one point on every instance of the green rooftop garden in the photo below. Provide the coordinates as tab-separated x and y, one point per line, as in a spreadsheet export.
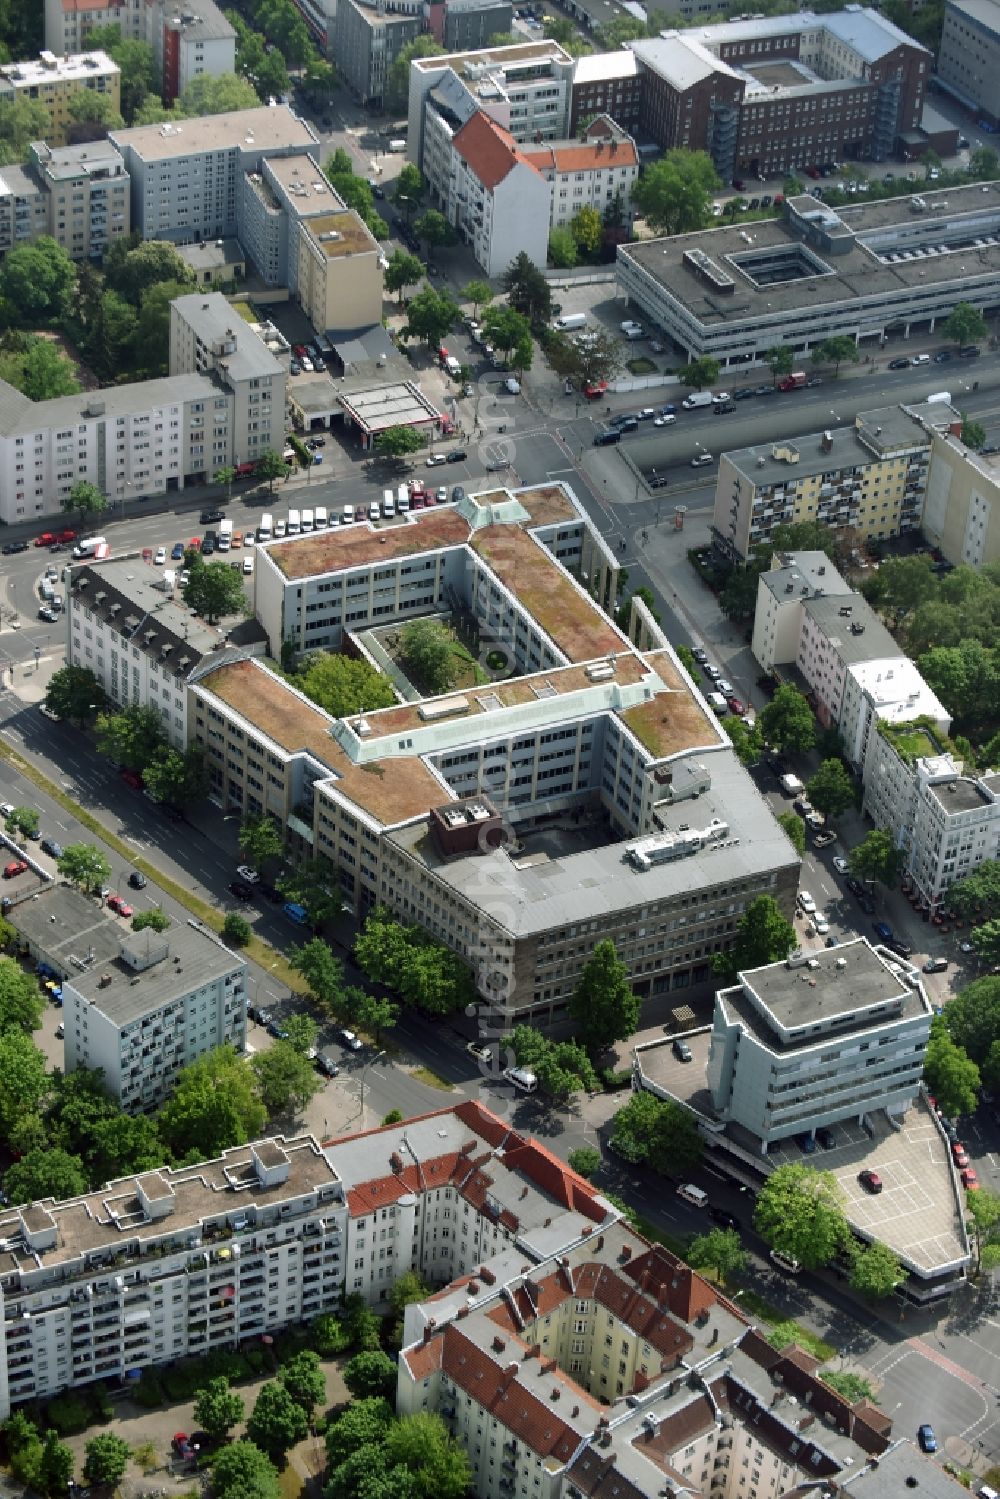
916	739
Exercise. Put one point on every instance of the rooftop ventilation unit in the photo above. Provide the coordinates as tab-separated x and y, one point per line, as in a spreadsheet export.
665	847
705	268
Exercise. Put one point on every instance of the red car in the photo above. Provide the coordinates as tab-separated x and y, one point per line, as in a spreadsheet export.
65	536
970	1181
870	1180
119	906
132	778
594	389
736	705
47	539
15	867
301	352
194	545
960	1154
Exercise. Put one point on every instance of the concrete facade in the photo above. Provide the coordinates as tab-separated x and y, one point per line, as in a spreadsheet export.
338	277
368	38
55	81
189	41
166	1000
87	193
961	513
969	56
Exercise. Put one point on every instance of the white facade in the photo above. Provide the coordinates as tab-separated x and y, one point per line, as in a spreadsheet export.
527	88
804	1043
891	691
497	203
169	998
781	595
166	1265
189	40
594	173
206	335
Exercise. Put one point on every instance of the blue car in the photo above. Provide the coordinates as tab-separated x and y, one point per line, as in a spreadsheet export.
926	1438
807	1144
177	551
883	930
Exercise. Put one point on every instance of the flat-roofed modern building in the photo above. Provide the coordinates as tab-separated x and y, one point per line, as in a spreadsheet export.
208	337
166	999
54	81
188	41
961	513
860	271
829	1035
631	816
169	1264
969	57
88	195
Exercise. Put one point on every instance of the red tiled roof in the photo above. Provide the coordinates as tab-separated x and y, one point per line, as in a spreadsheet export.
424	1358
487	148
580	158
686	1293
555	1177
496	1388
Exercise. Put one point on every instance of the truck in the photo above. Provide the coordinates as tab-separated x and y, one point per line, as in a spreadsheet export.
695	399
266	528
795	381
225	535
294	523
89	546
397	146
306	520
571	320
791	785
322	520
452	365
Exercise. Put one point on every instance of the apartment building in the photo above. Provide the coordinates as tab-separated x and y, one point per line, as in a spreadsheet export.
782	591
168	1264
187	177
86	190
771	94
867	479
208	337
527	88
606	83
55	82
24	207
277	199
582	729
970	55
188	41
946	821
338	279
69	22
368	37
831	1035
961	514
609	1367
496	200
860	271
596	171
165	1000
438	1196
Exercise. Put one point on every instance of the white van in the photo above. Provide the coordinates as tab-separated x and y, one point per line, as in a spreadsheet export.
307	520
571	320
225	535
90	546
321	518
373	510
692	1194
347	516
717	703
402	499
294	523
921	359
785	1262
388	505
266	528
522	1079
280	529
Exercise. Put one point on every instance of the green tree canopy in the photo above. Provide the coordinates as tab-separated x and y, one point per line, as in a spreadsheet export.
479	293
303	1378
831	789
603	1005
834	350
271	466
433	228
780	359
217	1408
135	62
799	1213
132	736
430	315
84	865
763	935
528	292
22	120
286	1079
362	1424
55	1466
177	777
796	830
322	971
699	373
85	500
738	599
425	649
213	1107
236	930
276	1422
424	972
371	1374
24	821
133	266
674	193
25	1081
37	280
399	442
964	324
876	857
949	1072
74	693
343	685
657	1132
243	1471
563	249
986	941
216	94
409	188
39	369
215	590
402	271
261	840
505	327
313	884
720	1249
876	1271
397	91
45	1172
106	1459
21	1003
787	722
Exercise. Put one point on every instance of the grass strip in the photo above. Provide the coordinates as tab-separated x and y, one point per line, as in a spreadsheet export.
425	1075
781	1330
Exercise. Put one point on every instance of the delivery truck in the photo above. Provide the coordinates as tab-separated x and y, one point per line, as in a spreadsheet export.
697	398
795	381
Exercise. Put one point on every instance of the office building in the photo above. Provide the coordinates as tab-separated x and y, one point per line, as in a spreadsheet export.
969	56
961	515
582	730
188	41
368	37
170	1264
606	83
527	88
55	82
438	1196
773	94
166	999
605	1366
131	628
596	171
858	678
866	480
86	191
945	820
463	25
831	1035
861	271
208	337
187	177
321	18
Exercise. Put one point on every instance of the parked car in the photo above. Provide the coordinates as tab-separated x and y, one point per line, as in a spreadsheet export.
926	1438
936	965
882	929
51	847
137	880
15	867
349	1040
870	1180
161	557
326	1065
209	517
806	902
241	889
245	872
825	1137
840	864
681	1049
823	839
970	1181
479	1049
899	364
119	905
959	1154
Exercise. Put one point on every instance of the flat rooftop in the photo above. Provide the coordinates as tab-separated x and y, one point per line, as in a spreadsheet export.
526	897
301	179
113	1215
400	403
890	251
130	594
214	321
69	929
595	67
184	957
869	640
837	983
270	128
470	65
360	545
212	255
782	462
959	795
40	72
339	234
85	159
805	572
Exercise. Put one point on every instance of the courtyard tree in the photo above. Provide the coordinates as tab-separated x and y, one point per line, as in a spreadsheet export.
371	1374
303	1378
699	372
276	1422
42	372
964	324
46	1171
603	1005
55	1466
75	694
83	865
21	1003
834	350
270	466
425	648
430	316
877	858
286	1079
399	441
26	1084
673	194
787	722
720	1249
217	1408
587	228
214	1105
831	789
85	500
106	1457
243	1471
215	590
37	281
343	685
799	1213
402	271
763	935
